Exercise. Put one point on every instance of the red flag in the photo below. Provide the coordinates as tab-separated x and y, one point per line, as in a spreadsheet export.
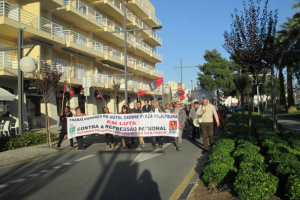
181	92
143	92
181	97
155	83
188	95
68	89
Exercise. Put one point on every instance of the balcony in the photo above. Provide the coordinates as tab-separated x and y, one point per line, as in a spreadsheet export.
113	55
13	12
144	50
153	39
143	12
78	13
76	41
52	28
113	8
8	63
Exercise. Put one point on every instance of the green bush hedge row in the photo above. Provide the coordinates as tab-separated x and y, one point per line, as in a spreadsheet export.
24	140
259	164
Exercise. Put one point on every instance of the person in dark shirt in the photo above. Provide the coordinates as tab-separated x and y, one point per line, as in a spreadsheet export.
146	107
141	139
64	131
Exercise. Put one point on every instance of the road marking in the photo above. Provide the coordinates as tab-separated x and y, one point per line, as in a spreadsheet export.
182	186
17	180
3	186
45	171
67	163
147	155
56	167
33	175
83	158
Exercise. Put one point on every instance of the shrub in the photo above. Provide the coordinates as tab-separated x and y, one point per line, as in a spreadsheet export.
218	169
251	184
25	140
293	187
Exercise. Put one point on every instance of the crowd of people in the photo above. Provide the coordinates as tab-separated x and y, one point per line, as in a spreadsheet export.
211	118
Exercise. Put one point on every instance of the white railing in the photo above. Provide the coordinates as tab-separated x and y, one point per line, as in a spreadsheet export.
159	72
101	78
77	38
13	11
52	28
65	70
156	36
130	60
147	10
85	10
112	26
8	60
113	53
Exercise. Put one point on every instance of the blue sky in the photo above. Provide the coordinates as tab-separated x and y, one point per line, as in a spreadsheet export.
192	26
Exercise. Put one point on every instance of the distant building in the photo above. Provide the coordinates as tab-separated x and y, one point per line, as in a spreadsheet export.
175	86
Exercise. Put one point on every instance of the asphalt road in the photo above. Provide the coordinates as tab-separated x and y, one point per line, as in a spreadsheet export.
98	174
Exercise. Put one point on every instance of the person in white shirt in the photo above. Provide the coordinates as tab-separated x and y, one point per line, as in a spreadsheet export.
156	108
206	111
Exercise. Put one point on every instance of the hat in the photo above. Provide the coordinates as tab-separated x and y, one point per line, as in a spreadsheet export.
196	102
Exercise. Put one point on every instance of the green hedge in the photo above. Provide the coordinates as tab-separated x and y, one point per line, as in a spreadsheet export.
25	140
259	165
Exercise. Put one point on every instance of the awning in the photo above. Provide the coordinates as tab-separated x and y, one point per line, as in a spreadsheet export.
5	95
113	66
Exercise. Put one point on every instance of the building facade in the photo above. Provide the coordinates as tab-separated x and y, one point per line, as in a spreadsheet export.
175	86
83	45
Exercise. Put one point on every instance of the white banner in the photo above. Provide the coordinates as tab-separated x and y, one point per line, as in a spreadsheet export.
129	125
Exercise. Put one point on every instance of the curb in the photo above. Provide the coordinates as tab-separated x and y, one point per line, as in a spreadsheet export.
192	183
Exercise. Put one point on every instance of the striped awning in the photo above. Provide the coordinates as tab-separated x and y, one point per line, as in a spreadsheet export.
113	66
5	95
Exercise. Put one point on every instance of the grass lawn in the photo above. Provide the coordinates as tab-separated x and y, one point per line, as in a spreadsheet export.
295	115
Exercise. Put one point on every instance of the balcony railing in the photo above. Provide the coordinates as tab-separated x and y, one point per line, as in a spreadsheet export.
113	53
8	60
101	78
159	72
148	11
13	12
147	48
82	40
112	26
85	10
52	28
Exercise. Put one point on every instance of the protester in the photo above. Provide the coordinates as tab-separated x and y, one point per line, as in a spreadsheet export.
171	106
168	109
109	138
129	109
156	108
207	111
125	140
215	121
146	107
135	106
64	131
186	113
141	139
215	124
223	116
79	139
192	117
181	122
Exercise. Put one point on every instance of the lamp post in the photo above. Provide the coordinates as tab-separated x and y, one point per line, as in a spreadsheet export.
125	44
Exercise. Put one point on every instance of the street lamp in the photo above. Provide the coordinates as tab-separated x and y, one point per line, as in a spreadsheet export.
158	27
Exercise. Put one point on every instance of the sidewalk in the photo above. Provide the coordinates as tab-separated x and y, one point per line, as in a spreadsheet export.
286	122
26	153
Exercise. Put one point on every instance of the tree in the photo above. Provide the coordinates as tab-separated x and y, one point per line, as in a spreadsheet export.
45	81
250	42
216	73
242	82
